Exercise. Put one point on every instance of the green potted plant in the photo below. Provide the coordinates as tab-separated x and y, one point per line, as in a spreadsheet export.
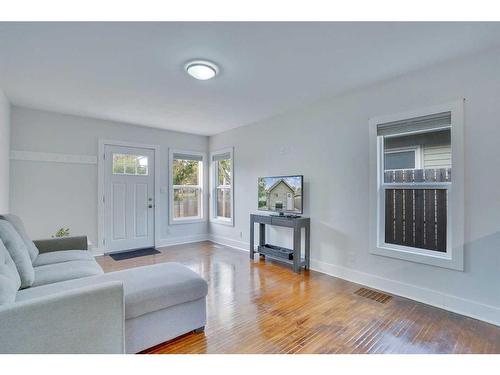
62	232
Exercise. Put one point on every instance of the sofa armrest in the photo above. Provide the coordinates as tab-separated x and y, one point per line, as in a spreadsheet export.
63	243
84	320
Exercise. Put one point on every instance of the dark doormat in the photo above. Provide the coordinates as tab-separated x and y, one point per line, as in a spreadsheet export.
128	254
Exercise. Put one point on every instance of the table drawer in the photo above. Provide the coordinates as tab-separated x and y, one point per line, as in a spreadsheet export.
262	219
282	222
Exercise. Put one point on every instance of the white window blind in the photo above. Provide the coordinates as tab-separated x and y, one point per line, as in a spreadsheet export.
180	156
421	124
224	156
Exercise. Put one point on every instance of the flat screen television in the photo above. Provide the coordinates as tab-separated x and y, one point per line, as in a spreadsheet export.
282	194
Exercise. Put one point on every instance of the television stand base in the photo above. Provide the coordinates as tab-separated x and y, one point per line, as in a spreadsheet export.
290	256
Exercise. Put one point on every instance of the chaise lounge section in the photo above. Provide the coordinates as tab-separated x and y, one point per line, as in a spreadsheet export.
61	301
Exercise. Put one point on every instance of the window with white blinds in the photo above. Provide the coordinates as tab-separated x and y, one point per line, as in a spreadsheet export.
415	198
222	186
419	156
186	187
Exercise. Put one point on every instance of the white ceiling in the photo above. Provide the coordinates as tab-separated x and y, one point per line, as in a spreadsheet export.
133	72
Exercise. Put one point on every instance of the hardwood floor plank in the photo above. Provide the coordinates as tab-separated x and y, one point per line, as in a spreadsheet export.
263	307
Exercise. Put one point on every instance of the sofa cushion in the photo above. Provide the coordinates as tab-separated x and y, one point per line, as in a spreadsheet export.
8	267
62	256
19	227
146	289
75	269
9	278
19	253
8	290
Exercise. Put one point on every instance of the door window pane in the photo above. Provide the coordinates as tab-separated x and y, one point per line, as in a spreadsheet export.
130	164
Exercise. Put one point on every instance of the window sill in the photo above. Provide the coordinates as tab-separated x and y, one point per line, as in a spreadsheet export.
444	260
188	220
218	220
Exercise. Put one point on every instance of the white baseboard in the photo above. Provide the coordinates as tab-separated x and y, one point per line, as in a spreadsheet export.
240	245
473	309
182	240
161	243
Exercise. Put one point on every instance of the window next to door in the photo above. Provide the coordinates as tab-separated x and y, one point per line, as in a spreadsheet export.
221	185
186	186
419	183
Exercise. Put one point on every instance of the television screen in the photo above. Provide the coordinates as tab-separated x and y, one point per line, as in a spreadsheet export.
281	194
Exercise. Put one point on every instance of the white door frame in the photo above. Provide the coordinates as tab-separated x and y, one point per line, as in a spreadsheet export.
101	167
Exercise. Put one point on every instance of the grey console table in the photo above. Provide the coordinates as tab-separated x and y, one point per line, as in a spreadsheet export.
296	224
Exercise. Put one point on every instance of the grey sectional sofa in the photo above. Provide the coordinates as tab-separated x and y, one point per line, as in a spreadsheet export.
61	301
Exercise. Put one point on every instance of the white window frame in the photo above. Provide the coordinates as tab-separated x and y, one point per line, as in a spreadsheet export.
192	219
453	258
213	188
417	150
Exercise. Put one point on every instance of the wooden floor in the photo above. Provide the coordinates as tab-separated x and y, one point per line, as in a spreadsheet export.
263	307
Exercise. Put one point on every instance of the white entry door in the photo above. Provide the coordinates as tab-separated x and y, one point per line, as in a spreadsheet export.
128	198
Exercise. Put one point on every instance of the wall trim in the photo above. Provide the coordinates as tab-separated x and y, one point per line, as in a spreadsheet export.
52	157
164	242
473	309
182	240
240	245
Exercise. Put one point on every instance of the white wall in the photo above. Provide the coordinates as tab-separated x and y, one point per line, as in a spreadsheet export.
4	152
50	195
328	143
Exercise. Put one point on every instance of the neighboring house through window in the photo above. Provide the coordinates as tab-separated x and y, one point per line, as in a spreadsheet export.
222	203
186	186
427	150
417	209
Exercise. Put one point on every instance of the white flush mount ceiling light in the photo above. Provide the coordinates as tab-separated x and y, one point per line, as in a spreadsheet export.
202	69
